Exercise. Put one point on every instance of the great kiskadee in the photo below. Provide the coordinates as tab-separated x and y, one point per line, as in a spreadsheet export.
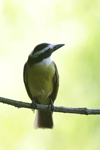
41	81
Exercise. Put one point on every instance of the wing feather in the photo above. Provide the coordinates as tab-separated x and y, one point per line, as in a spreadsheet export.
25	77
56	84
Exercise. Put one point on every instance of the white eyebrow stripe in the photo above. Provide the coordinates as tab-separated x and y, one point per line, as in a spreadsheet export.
42	51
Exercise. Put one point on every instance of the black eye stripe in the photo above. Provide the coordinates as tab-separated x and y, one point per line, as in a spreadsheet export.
32	60
46	53
40	47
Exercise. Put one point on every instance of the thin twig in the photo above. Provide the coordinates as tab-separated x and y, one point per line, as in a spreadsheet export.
20	104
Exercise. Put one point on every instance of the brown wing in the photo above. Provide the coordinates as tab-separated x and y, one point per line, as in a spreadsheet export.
25	78
56	84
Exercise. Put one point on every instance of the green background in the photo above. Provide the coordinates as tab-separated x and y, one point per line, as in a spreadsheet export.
24	24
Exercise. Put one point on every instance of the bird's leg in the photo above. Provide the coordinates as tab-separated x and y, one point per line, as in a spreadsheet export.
51	104
34	104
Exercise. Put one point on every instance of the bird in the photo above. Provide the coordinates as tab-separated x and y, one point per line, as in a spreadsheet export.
41	81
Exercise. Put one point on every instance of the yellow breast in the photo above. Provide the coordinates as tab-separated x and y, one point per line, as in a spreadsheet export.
40	81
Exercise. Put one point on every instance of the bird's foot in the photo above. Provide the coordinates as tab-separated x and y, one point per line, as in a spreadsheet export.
51	106
34	104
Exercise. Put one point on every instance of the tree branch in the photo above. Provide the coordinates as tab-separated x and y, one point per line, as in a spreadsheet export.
20	104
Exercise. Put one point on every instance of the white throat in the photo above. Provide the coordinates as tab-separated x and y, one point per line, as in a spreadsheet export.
46	61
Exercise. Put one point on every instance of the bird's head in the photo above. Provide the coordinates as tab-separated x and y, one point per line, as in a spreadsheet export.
43	51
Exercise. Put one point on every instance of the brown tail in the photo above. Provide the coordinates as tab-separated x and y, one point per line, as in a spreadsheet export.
43	120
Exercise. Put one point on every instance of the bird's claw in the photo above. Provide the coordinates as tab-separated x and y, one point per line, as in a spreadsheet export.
51	106
34	105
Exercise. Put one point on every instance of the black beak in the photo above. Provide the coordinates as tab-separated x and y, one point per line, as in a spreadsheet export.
57	46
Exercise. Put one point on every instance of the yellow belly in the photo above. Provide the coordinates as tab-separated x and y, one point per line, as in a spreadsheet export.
40	82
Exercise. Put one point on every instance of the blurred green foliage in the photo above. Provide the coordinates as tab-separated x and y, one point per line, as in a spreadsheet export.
24	24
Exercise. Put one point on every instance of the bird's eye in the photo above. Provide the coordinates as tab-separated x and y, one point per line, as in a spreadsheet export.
48	52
